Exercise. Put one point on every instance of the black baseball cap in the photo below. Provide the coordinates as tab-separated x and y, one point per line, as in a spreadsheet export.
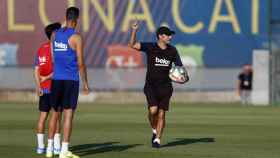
165	30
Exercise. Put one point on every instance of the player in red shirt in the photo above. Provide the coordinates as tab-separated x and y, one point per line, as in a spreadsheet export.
43	73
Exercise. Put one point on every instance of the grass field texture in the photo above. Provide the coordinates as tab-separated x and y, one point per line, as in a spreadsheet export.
122	131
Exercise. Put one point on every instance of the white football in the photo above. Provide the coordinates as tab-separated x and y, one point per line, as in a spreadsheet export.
178	74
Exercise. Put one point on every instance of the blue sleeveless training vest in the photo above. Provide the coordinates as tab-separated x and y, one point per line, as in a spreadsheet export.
65	58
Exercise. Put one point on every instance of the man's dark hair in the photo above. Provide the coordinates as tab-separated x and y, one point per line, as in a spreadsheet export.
51	28
72	13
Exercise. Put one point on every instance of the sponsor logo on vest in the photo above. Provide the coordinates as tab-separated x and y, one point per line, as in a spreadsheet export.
42	60
59	46
162	62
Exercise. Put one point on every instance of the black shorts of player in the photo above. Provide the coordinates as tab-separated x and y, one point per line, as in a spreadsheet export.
158	95
45	103
64	94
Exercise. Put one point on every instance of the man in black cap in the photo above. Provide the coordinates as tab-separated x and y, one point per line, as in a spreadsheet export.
158	87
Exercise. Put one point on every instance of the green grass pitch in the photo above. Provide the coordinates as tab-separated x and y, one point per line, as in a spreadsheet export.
122	131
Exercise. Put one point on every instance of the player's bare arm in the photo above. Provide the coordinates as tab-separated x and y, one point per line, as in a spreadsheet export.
132	42
37	81
76	42
45	78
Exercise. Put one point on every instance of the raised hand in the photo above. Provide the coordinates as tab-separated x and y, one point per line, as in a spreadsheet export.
135	25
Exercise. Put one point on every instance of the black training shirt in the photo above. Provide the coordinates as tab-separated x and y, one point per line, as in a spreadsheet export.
245	81
159	62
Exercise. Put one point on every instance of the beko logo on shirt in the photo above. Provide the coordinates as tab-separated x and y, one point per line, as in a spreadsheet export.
162	62
59	46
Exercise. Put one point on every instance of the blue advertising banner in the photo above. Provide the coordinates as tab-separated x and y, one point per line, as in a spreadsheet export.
210	33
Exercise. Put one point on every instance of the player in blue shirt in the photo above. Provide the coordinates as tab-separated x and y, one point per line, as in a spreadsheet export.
68	68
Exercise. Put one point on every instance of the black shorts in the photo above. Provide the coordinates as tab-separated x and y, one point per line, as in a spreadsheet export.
45	103
158	95
64	94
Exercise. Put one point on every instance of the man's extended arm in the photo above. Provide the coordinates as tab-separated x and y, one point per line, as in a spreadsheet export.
132	42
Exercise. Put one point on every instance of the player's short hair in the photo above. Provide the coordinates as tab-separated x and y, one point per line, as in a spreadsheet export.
51	28
72	13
